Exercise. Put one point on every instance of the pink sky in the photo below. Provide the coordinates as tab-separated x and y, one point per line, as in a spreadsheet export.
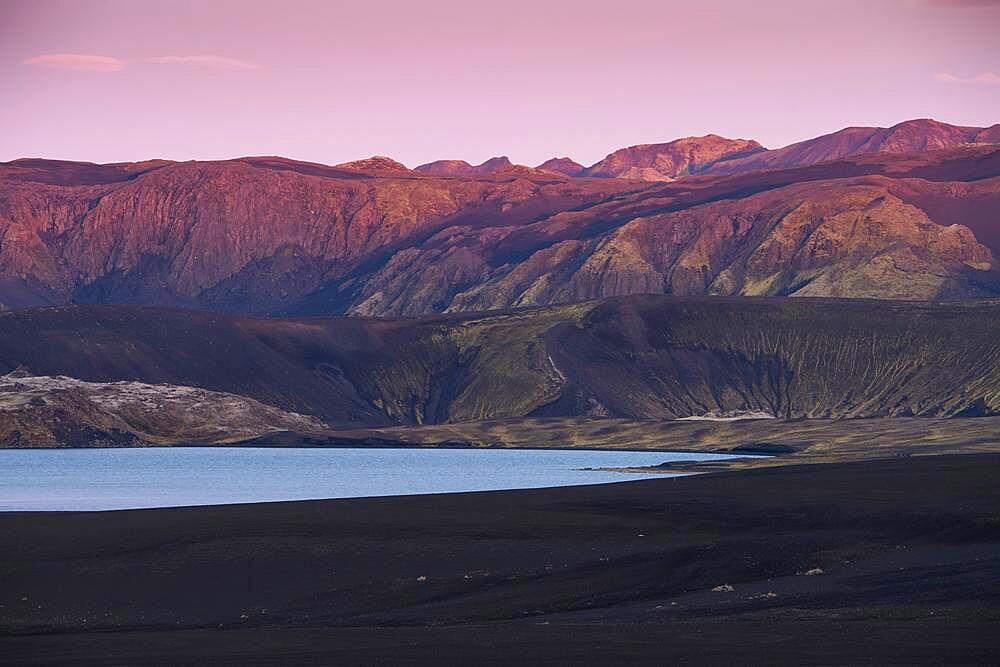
110	80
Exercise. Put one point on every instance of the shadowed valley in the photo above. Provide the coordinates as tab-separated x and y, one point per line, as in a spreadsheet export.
636	357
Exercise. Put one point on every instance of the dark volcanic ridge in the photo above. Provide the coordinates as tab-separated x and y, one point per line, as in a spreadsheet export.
637	357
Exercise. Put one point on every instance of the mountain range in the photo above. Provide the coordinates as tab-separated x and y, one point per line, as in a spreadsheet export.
719	155
908	212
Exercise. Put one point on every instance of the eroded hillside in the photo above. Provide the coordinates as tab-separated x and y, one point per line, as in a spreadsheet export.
639	357
268	236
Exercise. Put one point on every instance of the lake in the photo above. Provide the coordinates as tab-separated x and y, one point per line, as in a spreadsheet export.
107	479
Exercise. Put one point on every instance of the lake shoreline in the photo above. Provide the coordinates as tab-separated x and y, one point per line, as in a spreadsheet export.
70	480
702	568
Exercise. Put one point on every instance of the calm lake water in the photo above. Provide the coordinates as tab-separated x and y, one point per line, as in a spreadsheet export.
104	479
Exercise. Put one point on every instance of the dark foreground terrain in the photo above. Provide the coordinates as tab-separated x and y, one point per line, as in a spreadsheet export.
891	561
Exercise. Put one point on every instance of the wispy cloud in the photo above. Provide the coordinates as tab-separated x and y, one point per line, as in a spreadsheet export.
208	62
86	62
984	79
964	3
80	62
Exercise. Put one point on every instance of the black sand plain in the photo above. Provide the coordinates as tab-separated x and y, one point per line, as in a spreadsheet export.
876	562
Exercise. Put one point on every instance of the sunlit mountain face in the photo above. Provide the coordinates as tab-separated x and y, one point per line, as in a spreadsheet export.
908	212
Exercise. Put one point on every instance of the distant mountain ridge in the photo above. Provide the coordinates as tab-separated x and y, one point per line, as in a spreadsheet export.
377	165
719	155
494	167
562	165
665	162
906	137
268	235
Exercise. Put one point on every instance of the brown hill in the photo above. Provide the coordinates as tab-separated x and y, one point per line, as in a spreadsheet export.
494	167
65	172
665	162
377	165
44	411
562	165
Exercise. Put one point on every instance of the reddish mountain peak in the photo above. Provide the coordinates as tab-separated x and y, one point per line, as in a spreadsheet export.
920	135
495	166
445	168
989	135
666	161
68	172
562	165
910	136
278	163
377	165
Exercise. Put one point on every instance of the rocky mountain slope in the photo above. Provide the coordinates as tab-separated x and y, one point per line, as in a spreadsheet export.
274	236
718	155
64	412
907	137
494	167
248	235
878	226
639	357
665	162
562	165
